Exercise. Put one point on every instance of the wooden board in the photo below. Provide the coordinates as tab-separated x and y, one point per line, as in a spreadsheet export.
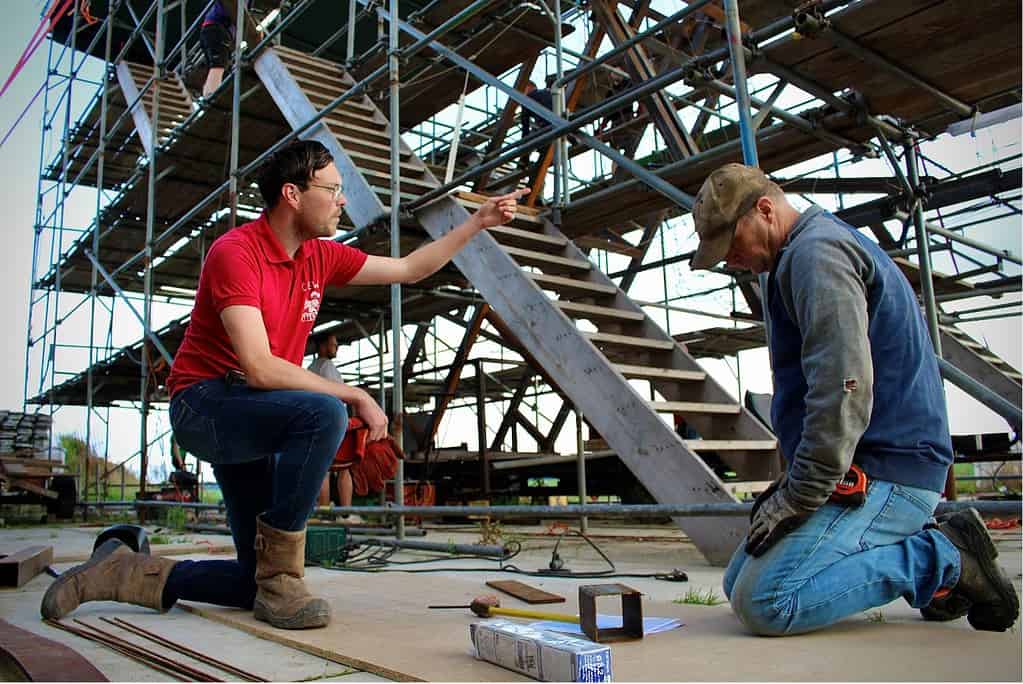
524	592
381	624
21	566
45	660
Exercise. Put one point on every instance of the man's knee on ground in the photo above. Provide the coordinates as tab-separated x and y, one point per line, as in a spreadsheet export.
760	605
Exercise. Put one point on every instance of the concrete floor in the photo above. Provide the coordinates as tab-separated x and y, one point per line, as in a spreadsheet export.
633	549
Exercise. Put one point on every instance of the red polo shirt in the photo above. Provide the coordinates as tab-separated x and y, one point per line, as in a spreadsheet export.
248	266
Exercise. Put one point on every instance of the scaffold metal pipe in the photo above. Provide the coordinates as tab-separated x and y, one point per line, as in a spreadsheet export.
117	289
557	128
282	24
991	508
983	394
923	244
133	36
460	18
623	47
191	29
394	116
709	510
747	133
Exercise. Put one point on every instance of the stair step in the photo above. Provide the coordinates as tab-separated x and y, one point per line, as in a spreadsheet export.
628	341
382	163
653	373
577	310
289	54
350	129
528	257
694	407
381	177
357	102
526	238
731	444
520	215
349	142
384	193
319	80
568	285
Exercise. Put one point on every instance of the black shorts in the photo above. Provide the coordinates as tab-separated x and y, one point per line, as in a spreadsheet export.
216	43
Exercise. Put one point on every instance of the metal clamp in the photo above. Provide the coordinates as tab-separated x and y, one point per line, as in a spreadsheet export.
632	612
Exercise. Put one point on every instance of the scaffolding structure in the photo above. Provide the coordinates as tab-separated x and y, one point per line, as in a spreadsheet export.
421	104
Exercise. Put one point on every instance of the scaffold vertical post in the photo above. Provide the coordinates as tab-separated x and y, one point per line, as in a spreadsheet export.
147	265
94	277
584	523
352	16
738	57
397	391
61	199
923	249
236	99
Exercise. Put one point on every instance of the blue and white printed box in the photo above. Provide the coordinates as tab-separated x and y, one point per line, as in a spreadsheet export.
542	655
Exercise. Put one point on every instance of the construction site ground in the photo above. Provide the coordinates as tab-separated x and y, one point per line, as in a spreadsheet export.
382	629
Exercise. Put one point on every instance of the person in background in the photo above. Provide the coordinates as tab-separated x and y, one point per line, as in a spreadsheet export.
341	475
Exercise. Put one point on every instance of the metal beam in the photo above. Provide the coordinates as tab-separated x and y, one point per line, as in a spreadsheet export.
676	137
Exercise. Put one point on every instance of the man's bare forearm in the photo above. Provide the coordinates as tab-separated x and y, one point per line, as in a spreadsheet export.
431	257
276	373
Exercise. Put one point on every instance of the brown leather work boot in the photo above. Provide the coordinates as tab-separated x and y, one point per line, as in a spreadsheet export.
113	573
983	587
282	598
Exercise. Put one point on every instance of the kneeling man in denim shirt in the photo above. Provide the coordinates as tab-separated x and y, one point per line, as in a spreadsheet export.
241	401
856	382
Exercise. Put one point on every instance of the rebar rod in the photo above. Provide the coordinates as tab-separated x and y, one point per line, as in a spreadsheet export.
184	650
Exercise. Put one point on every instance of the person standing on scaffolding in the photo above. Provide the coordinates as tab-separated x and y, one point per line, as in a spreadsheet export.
241	401
216	37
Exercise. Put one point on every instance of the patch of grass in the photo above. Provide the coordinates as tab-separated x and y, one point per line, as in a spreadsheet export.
700	597
159	539
490	532
176	518
876	616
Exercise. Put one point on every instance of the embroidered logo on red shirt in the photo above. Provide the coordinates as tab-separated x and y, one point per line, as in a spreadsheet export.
311	307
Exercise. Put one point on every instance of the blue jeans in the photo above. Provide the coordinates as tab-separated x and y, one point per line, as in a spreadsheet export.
844	560
270	451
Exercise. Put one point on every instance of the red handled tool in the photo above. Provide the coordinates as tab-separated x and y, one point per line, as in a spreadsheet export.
852	489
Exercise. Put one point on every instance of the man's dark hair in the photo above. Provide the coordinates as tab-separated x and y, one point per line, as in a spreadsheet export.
321	337
295	163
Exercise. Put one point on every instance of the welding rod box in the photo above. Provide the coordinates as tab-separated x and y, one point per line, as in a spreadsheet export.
540	654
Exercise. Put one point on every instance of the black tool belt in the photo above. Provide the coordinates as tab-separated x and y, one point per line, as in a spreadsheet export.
234	377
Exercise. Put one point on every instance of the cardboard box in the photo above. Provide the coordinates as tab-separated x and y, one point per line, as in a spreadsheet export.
542	655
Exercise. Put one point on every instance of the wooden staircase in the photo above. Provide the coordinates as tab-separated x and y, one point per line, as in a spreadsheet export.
625	374
175	102
980	363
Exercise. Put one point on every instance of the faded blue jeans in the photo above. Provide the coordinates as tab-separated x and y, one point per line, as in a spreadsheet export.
844	560
270	451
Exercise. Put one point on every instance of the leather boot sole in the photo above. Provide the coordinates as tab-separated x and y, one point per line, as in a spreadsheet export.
991	617
49	609
314	614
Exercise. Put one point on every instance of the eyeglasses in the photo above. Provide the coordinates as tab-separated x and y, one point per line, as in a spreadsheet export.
335	190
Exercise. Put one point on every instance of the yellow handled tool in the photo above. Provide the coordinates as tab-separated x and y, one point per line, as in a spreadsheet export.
490	606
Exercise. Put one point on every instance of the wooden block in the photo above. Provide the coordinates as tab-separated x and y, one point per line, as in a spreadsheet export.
523	591
21	566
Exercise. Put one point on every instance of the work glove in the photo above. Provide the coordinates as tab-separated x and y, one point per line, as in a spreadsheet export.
773	516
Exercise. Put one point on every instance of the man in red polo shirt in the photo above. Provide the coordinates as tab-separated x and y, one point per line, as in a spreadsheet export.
241	401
